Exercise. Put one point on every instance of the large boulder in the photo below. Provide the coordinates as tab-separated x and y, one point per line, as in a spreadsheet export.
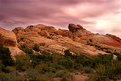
74	28
78	31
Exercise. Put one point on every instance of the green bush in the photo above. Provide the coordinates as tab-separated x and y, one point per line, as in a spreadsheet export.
22	63
48	70
45	57
87	69
106	68
36	47
26	49
84	60
35	75
67	77
103	59
118	56
5	56
66	62
3	77
46	66
2	67
67	53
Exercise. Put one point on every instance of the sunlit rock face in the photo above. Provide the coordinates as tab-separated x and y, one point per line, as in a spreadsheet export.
8	39
76	38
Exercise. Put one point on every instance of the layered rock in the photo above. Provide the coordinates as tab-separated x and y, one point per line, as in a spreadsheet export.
76	38
78	30
8	39
55	40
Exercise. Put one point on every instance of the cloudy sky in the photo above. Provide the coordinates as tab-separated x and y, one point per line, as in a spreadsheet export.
102	16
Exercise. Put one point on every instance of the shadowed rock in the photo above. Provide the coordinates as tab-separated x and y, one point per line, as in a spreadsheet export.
74	28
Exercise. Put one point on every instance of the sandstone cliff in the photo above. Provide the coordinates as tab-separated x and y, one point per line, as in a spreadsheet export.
76	38
8	39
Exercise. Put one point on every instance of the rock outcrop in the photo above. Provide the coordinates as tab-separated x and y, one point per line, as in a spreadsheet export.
56	40
76	38
78	31
74	28
8	39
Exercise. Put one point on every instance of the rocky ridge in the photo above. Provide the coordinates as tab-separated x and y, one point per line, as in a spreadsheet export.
76	38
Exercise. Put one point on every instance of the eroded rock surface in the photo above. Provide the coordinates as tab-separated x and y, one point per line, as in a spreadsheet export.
8	39
76	38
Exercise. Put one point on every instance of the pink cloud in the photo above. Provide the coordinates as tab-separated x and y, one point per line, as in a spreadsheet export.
103	16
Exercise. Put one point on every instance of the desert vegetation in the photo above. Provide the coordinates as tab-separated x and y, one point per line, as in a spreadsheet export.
48	66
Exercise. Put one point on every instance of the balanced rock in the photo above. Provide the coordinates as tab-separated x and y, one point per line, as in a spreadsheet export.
74	28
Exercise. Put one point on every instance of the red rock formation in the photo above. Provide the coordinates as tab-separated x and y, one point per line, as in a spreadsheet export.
83	41
8	39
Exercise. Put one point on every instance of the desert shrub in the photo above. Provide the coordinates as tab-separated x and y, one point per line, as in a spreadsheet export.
103	59
3	77
35	75
6	69
45	70
67	77
58	67
106	68
49	71
60	73
26	49
45	57
36	47
14	76
22	63
5	56
83	60
107	72
19	78
46	52
114	70
66	62
9	69
19	65
118	56
87	69
67	53
2	67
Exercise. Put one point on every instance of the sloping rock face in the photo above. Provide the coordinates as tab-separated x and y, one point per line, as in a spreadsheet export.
104	42
55	40
8	39
76	38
